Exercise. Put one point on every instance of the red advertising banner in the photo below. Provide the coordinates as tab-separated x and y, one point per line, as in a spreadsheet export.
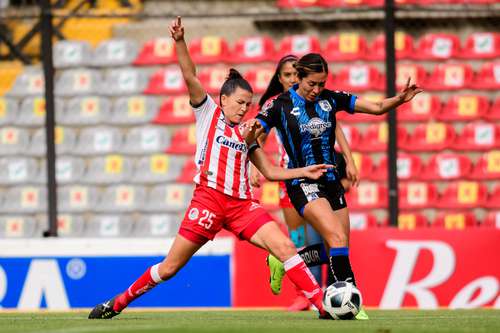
426	268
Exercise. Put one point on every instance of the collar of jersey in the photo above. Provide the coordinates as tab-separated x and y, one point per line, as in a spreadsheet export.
293	91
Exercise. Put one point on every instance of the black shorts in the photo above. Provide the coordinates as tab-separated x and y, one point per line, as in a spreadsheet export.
307	191
340	165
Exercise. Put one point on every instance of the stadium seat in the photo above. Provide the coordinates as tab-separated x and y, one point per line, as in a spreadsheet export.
488	166
492	220
298	45
171	198
69	225
488	77
253	49
376	137
364	164
409	167
421	108
110	169
28	83
183	141
188	172
455	220
175	111
157	225
115	52
17	226
159	51
345	47
65	140
259	78
32	112
359	117
157	168
291	4
450	76
122	198
272	144
212	78
359	78
147	139
8	111
99	140
114	225
493	200
13	141
463	195
124	81
464	108
430	137
403	44
79	82
268	195
416	72
437	46
493	113
25	199
18	170
84	111
166	81
72	54
411	221
478	136
77	198
417	195
361	220
481	45
134	110
352	135
209	50
367	196
69	169
447	166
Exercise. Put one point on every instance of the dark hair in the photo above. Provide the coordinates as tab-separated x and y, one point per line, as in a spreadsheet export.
233	81
311	63
275	87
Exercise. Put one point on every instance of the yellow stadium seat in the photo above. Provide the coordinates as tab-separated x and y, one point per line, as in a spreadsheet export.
8	73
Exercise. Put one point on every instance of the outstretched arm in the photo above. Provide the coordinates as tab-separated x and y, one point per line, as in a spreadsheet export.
196	92
351	169
406	95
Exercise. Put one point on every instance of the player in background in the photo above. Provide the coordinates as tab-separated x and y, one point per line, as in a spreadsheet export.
304	118
283	79
222	197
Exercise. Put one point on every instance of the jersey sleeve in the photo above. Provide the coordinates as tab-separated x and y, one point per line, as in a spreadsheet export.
205	109
267	115
343	101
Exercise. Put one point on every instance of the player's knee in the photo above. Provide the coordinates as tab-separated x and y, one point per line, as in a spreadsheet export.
284	249
168	270
337	239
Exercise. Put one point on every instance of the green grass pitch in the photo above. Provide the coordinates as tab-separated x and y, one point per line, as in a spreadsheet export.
131	321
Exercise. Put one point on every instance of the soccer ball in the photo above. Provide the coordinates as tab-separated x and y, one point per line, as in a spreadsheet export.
342	300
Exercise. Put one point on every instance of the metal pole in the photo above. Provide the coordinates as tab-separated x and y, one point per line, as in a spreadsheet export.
48	70
392	147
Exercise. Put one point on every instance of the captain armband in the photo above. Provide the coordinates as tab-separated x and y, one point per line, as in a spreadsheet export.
253	146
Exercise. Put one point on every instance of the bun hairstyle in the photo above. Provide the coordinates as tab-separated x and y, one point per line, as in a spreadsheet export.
233	81
311	63
274	88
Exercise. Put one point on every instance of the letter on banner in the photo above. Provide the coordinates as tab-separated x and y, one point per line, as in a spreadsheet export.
488	290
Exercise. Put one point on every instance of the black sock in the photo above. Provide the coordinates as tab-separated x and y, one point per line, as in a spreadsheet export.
314	255
340	264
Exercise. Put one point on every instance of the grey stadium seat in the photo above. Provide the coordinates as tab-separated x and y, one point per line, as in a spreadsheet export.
77	198
115	52
29	83
32	111
84	111
69	170
146	140
8	111
109	226
72	54
172	198
125	81
121	198
69	225
134	110
25	200
99	140
157	225
158	168
17	226
65	139
110	169
13	141
78	82
18	170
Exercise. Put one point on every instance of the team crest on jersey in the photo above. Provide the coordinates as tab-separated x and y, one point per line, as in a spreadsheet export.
295	111
193	214
325	105
316	126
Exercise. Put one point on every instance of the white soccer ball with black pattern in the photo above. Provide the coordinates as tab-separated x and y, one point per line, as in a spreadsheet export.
342	300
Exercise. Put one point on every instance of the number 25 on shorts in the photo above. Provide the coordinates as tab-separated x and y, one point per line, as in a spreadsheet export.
206	218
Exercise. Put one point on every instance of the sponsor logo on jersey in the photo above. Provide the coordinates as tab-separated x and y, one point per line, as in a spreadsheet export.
193	214
230	143
315	126
325	105
254	206
265	108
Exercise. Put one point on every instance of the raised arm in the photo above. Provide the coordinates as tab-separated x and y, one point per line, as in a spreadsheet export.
406	95
351	169
196	92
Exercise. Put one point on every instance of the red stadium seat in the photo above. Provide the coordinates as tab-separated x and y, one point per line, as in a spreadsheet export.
403	44
430	137
345	47
175	110
417	195
409	167
359	117
359	78
450	76
478	136
268	195
364	164
376	137
466	195
416	72
159	51
492	220
367	196
212	78
455	220
253	50
272	144
361	220
411	221
299	45
209	50
481	45
438	46
168	81
493	113
464	108
188	172
352	135
493	201
447	166
289	4
183	141
259	78
488	166
422	108
488	77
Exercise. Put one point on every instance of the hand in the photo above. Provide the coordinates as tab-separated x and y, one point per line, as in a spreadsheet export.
176	29
316	171
409	91
255	176
352	173
253	129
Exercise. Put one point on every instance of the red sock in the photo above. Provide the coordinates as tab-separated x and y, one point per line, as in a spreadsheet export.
301	276
143	284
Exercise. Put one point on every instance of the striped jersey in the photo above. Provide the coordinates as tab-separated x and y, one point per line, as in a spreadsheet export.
221	152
